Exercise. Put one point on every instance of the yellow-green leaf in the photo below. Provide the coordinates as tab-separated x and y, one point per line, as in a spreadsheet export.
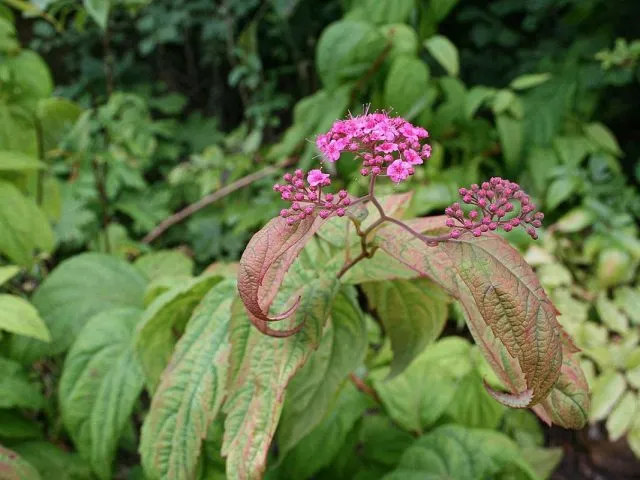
19	316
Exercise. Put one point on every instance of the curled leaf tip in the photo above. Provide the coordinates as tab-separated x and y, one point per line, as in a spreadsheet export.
264	328
286	314
518	400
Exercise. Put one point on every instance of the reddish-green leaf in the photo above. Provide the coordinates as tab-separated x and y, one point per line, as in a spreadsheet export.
13	467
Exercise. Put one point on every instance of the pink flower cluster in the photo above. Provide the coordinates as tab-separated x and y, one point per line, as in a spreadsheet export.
494	209
307	196
386	145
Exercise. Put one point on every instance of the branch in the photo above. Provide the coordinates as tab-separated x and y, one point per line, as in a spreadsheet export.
211	198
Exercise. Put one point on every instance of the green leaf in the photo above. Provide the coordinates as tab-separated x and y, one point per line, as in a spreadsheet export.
341	350
74	292
100	384
543	461
502	101
191	390
57	116
452	451
14	426
381	11
403	39
155	335
472	406
633	438
12	161
13	467
523	427
322	444
511	137
163	263
19	316
627	299
262	365
610	315
531	80
572	149
33	76
622	416
476	96
405	84
99	11
560	190
411	398
607	390
346	49
16	390
52	462
413	313
602	137
445	53
575	220
7	273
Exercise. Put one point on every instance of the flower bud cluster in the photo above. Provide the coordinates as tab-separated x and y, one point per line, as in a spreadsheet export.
307	198
499	204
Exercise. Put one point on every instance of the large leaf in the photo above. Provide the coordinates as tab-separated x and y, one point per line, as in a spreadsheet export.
100	384
405	84
12	161
19	316
312	390
165	263
156	334
14	426
57	116
13	467
508	313
263	365
7	273
381	11
413	313
78	289
16	390
264	264
52	462
452	451
191	390
445	53
99	11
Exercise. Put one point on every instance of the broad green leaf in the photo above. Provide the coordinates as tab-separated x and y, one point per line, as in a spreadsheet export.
16	390
101	381
378	268
18	316
155	334
627	299
14	467
445	53
346	49
452	451
23	226
164	263
7	273
262	365
318	448
614	266
33	76
508	313
413	313
543	461
528	81
554	275
14	426
12	161
607	390
575	220
99	11
381	11
511	139
622	416
311	391
74	292
52	462
523	427
472	406
405	84
381	443
602	137
502	101
572	149
212	464
610	315
421	394
403	38
560	190
191	390
476	96
57	116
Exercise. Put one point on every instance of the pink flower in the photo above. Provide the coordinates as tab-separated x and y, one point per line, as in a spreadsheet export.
399	171
316	177
387	147
412	157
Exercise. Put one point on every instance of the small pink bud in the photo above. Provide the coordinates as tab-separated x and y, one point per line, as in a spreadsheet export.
342	194
467	199
473	214
484	228
462	191
539	216
295	206
515	222
476	232
376	170
482	202
486	185
284	213
450	222
291	221
308	210
299	173
493	226
364	172
299	196
455	234
346	202
324	214
287	177
536	223
329	197
340	212
507	227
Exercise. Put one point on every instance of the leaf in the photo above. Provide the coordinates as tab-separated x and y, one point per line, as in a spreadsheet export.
14	426
510	132
99	11
560	190
602	137
633	438
321	445
34	76
7	273
575	220
57	116
411	398
101	381
445	53
346	49
610	315
381	11
13	467
16	390
531	80
262	365
622	416
476	96
155	334
12	161
73	293
163	263
51	462
413	313
23	226
405	84
543	461
452	451
472	406
264	264
508	313
191	390
607	390
403	39
627	299
19	316
341	350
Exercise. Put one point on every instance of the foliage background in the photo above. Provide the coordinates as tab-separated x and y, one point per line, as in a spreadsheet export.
114	115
